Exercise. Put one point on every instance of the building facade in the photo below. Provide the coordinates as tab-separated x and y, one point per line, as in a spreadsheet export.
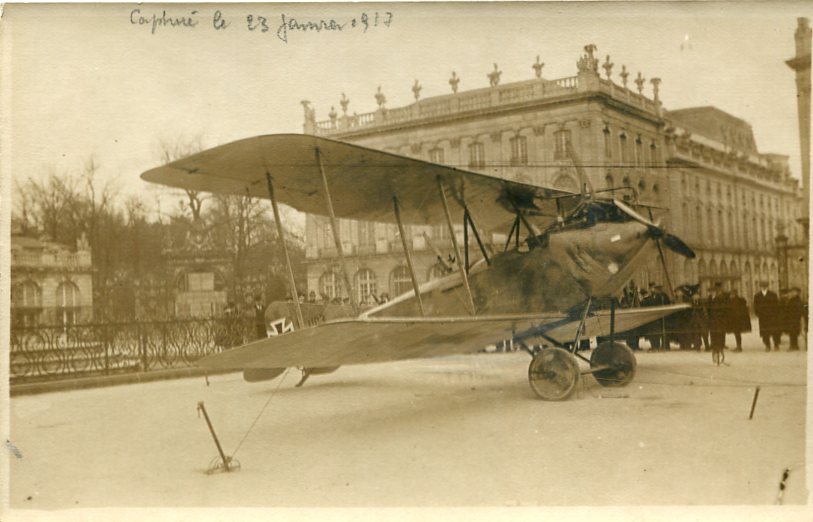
51	283
699	169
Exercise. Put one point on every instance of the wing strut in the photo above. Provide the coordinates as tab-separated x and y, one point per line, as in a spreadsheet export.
408	255
515	226
468	220
281	235
336	237
459	259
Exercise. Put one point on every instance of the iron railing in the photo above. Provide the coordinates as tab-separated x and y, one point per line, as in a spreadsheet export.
41	353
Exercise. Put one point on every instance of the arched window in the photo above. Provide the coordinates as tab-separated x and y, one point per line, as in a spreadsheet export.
748	281
366	286
67	303
560	140
26	304
701	275
608	180
400	281
608	143
689	276
330	285
622	145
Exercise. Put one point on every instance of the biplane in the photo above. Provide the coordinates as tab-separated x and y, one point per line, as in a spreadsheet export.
565	253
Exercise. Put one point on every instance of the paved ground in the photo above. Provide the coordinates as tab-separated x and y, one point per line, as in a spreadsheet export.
458	431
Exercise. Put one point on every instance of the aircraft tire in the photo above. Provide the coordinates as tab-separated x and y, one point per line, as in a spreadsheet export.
621	360
554	374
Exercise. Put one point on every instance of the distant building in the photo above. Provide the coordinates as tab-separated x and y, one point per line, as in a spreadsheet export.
51	283
699	167
198	273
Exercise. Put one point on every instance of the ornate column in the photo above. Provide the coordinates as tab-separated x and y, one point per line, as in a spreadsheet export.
801	65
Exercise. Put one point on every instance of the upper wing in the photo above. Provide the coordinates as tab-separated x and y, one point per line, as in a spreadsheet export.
362	182
359	341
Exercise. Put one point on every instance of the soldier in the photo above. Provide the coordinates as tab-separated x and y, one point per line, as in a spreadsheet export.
259	317
657	334
739	320
766	308
699	324
794	309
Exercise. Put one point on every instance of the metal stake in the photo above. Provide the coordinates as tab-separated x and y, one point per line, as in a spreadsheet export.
754	403
456	247
336	238
223	456
281	234
407	255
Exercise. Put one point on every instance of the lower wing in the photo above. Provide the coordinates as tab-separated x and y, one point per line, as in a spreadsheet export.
358	341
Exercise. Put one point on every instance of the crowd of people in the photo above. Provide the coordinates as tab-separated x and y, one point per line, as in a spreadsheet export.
706	325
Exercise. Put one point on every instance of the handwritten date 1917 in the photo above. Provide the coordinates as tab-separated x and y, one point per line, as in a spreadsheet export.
291	25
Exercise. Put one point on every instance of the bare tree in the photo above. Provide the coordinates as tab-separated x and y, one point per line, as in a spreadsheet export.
169	151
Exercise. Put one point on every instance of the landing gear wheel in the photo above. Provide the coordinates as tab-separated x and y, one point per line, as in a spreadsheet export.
554	374
621	362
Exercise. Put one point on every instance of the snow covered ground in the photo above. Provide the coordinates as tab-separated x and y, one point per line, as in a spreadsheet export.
457	431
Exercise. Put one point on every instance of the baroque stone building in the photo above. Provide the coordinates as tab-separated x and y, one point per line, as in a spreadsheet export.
51	283
699	169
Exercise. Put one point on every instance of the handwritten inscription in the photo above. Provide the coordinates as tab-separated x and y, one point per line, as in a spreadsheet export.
282	26
155	21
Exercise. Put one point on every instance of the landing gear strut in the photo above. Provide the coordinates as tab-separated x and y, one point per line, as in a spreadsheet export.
554	373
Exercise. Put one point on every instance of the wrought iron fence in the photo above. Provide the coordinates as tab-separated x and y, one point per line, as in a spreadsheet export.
40	353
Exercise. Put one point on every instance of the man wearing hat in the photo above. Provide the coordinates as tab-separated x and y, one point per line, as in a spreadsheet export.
766	308
739	320
718	316
657	336
794	309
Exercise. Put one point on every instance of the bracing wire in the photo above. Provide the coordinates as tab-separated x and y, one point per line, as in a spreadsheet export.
256	419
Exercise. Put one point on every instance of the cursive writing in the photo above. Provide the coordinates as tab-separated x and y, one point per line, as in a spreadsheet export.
155	21
285	27
363	22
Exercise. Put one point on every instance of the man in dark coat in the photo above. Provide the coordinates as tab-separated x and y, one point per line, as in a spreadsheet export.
259	317
699	324
657	331
794	309
766	308
718	316
739	320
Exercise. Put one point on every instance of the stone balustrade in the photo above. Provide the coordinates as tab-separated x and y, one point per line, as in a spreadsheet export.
522	92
